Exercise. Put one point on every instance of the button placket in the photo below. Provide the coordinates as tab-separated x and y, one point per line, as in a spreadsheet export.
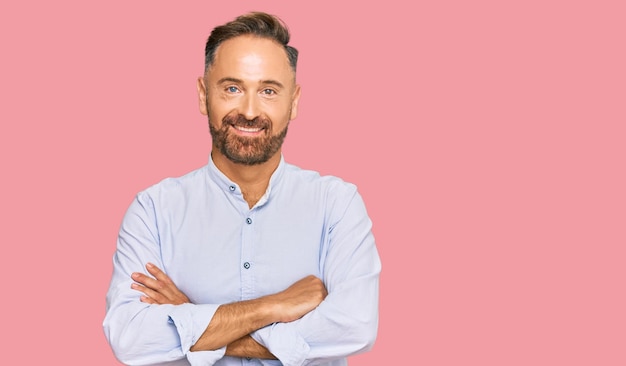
246	265
247	258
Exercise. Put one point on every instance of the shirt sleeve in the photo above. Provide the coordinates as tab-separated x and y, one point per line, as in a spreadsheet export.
144	334
346	322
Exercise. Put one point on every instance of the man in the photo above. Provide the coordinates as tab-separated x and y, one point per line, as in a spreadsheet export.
250	260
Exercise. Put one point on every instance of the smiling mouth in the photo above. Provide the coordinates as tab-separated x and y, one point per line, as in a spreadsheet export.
248	129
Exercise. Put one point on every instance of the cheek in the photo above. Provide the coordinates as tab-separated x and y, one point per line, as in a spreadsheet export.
215	119
220	105
216	112
279	112
281	119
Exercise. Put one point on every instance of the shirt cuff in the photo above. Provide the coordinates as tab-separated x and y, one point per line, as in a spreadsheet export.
282	340
191	321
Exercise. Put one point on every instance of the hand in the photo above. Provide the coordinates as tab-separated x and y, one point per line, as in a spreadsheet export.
158	290
300	298
234	321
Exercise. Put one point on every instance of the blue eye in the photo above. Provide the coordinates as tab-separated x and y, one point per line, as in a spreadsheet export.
268	91
232	89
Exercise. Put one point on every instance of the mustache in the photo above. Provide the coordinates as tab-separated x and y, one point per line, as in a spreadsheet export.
241	121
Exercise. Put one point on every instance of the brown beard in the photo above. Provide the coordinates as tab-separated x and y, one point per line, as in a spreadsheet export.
247	150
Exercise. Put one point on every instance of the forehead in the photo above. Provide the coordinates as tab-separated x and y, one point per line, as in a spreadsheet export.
251	57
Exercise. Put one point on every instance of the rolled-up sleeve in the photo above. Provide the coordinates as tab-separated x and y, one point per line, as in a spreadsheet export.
191	321
140	333
346	322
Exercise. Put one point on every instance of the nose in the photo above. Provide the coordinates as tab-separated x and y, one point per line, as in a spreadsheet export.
251	107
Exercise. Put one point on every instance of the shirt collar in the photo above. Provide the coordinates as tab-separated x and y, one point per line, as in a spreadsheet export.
229	186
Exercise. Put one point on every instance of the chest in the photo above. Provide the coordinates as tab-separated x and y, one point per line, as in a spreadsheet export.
225	255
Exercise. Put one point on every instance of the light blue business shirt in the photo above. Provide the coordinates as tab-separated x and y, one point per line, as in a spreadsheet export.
199	229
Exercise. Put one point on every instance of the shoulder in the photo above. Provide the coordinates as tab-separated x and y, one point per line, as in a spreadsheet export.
327	188
175	186
294	173
337	199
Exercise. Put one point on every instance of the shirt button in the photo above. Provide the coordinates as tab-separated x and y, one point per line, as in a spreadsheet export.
249	221
232	188
246	265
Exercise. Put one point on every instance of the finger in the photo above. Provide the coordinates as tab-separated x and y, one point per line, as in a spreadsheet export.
155	297
157	273
147	300
147	281
143	289
165	286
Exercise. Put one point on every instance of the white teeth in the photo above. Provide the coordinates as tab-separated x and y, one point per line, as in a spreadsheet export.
244	129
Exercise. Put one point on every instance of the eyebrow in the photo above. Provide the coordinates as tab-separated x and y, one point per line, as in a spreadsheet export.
239	81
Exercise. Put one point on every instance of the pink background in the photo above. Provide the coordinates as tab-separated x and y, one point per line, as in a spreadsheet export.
488	141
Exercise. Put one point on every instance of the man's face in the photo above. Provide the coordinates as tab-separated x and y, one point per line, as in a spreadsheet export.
250	95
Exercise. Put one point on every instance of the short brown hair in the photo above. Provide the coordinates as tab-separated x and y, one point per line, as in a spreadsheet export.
255	23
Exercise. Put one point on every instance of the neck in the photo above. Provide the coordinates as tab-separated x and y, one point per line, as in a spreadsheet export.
252	179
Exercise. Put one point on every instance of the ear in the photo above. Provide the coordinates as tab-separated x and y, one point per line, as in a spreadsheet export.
202	97
294	102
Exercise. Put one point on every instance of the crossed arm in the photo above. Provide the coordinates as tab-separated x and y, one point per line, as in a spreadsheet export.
302	328
232	323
